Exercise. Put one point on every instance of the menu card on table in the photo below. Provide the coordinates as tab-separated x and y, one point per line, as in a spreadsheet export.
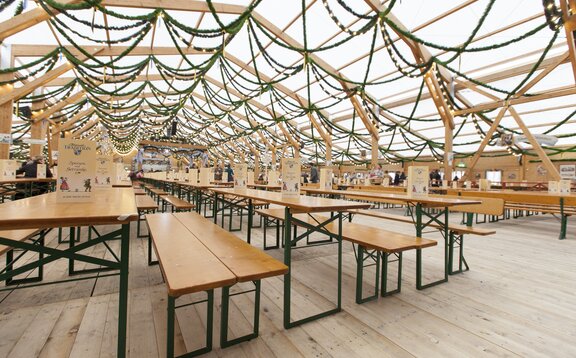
418	178
240	175
77	170
205	176
193	176
8	169
553	187
273	177
564	186
103	177
41	171
290	177
325	179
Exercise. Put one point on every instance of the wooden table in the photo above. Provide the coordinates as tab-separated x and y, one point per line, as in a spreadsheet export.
417	203
529	197
26	184
293	205
110	207
269	187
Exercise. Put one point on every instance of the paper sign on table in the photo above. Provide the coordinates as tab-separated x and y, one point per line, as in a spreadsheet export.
564	186
325	179
41	171
484	184
205	176
8	169
418	178
193	176
240	175
103	177
273	177
290	176
553	187
77	169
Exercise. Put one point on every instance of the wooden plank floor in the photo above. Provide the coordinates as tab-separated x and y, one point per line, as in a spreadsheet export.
517	300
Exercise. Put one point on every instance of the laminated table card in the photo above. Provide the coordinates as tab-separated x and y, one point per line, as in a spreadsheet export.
290	177
193	176
325	179
103	177
418	179
76	170
8	169
240	175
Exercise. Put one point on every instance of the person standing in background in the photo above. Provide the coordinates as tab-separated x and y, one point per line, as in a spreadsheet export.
314	173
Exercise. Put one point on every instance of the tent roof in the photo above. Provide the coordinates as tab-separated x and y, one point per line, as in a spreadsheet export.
233	71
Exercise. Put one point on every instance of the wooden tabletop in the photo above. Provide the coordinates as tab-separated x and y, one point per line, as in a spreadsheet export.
265	186
144	202
28	180
531	197
182	256
139	191
111	206
426	200
300	203
247	262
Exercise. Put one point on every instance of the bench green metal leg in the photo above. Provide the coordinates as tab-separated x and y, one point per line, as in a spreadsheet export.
384	286
362	256
419	284
171	321
150	261
224	341
10	264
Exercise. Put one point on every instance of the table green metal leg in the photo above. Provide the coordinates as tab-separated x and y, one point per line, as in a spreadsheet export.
287	278
250	219
446	235
215	209
563	221
123	293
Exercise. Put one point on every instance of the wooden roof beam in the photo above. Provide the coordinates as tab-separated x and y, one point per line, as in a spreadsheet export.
28	19
19	92
569	27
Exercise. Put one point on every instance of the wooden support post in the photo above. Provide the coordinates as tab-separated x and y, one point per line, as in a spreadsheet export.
375	151
6	61
37	128
49	146
448	152
484	143
552	171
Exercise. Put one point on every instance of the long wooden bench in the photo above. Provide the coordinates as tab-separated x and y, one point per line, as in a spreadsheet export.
196	255
176	203
156	194
382	243
139	191
144	205
488	206
21	235
238	205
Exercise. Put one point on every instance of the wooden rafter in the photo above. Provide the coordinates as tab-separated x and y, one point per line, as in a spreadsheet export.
58	106
170	144
28	19
538	96
19	92
569	27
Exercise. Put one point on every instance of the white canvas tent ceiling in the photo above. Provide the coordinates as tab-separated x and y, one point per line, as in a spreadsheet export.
239	91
